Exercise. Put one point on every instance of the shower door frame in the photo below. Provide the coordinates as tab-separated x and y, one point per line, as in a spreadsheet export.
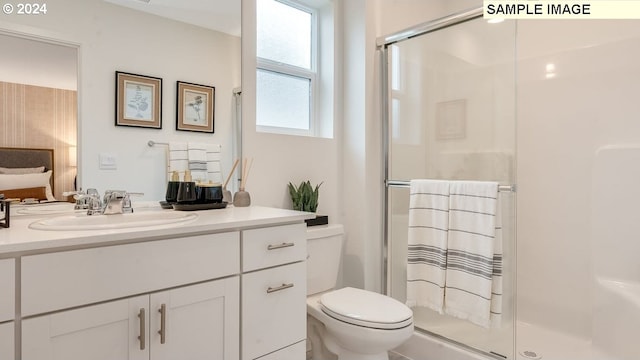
382	44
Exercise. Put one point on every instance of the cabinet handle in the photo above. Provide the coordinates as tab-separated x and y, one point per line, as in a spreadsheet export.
142	337
278	288
163	323
279	246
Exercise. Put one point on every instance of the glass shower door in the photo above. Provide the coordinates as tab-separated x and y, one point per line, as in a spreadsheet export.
451	111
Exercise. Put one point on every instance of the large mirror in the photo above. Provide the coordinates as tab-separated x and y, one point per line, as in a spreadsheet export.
57	85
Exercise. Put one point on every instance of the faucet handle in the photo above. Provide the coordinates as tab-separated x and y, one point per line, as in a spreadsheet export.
94	205
126	201
93	192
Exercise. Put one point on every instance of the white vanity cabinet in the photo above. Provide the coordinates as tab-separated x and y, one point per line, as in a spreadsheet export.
183	314
7	308
274	293
231	285
193	322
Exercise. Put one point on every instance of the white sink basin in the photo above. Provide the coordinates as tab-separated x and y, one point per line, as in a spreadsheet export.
47	209
119	221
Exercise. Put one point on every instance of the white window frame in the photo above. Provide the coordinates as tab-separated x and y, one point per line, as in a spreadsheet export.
298	72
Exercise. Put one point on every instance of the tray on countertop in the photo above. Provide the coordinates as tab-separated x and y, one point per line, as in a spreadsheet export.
193	207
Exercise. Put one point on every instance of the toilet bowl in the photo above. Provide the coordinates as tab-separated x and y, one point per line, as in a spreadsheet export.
348	323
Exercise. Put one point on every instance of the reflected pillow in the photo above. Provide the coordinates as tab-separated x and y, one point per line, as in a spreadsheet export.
30	170
22	181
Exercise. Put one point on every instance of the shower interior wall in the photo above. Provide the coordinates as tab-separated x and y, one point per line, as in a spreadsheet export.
566	114
576	100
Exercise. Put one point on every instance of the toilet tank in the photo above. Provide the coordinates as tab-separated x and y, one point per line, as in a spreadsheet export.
324	247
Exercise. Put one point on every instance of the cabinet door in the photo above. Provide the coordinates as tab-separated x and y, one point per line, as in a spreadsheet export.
274	309
6	340
7	294
109	331
198	322
296	351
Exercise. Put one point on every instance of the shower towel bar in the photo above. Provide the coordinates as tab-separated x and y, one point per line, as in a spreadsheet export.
404	183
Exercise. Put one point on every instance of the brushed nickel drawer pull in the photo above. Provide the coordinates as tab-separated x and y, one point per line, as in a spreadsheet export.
278	288
142	337
279	246
163	323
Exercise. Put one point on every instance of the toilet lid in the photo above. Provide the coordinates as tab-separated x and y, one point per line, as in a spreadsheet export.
366	308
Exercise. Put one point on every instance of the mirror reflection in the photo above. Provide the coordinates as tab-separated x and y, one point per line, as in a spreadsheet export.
74	52
38	104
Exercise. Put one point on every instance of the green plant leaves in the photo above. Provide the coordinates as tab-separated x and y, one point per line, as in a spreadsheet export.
304	197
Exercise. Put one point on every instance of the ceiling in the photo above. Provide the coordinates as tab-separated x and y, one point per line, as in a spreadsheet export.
218	15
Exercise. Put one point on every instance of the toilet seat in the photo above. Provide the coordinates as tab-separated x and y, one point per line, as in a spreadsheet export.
366	308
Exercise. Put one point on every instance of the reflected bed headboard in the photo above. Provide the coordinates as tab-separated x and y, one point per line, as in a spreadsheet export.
26	158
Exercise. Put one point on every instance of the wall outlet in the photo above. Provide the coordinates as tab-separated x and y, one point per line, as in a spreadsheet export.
108	161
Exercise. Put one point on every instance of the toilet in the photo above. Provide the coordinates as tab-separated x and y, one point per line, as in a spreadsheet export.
347	323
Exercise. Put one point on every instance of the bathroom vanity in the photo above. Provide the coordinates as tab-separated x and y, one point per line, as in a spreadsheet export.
229	284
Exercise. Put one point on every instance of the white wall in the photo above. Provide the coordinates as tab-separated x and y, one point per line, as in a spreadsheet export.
112	38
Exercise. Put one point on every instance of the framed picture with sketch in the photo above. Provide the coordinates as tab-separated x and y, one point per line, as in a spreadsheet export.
138	100
451	119
195	107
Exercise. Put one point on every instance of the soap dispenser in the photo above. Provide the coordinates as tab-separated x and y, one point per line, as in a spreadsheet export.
172	188
187	190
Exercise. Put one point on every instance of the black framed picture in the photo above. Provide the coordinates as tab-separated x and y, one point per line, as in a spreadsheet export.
195	107
138	100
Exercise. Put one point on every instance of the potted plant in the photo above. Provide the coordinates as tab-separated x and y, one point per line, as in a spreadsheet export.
305	198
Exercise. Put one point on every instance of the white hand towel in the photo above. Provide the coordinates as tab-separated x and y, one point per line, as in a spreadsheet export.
214	170
469	274
178	158
427	251
197	154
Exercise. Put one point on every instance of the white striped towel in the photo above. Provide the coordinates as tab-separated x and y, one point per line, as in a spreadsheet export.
204	162
469	274
427	243
496	280
197	154
214	170
178	158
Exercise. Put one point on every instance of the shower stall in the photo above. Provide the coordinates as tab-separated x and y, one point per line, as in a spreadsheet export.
548	109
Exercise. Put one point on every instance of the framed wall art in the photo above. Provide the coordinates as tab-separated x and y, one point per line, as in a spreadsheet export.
138	100
195	107
451	119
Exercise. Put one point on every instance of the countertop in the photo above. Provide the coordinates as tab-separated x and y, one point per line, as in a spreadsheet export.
19	239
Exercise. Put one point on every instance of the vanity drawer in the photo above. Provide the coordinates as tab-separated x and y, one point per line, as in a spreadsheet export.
7	294
79	277
274	309
273	246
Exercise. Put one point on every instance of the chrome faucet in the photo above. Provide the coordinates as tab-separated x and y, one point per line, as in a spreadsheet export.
89	201
117	202
113	202
82	198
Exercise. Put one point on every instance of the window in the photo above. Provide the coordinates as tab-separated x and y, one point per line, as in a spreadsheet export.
286	67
